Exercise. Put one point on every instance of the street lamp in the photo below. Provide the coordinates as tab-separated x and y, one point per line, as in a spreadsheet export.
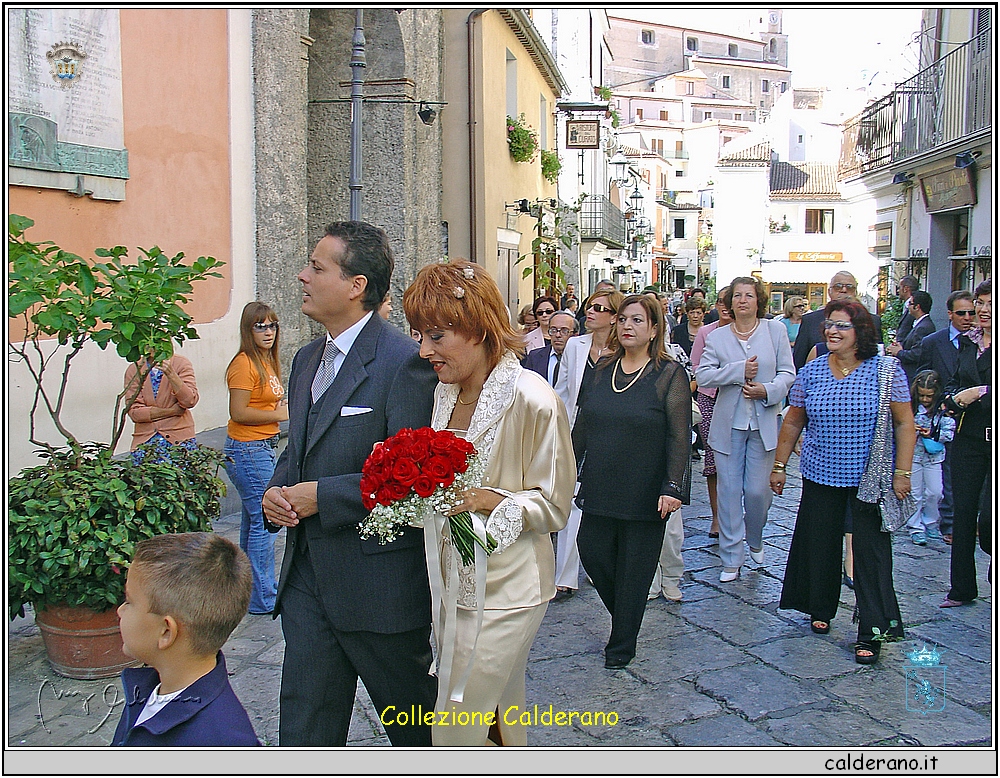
619	164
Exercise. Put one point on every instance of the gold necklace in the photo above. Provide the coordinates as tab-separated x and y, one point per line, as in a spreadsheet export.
846	371
742	334
471	402
628	386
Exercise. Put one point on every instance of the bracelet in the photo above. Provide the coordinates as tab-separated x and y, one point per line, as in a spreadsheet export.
904	473
778	467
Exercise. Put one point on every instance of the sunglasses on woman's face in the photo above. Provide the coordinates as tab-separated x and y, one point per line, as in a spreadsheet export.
842	326
546	312
261	326
598	308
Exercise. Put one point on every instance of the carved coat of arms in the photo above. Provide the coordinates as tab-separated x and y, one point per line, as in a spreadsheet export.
66	61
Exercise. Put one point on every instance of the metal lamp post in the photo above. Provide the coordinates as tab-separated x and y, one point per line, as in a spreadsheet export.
358	65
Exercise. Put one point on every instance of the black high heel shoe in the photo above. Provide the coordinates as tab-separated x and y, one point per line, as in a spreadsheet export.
848	581
872	647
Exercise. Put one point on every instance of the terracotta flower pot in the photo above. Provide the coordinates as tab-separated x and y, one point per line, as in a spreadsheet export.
82	643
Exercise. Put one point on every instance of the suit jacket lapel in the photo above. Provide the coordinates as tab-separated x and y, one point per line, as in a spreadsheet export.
351	374
299	390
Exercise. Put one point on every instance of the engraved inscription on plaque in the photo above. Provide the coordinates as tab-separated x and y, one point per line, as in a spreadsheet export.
64	94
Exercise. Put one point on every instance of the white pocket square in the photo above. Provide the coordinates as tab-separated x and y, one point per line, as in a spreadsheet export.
350	410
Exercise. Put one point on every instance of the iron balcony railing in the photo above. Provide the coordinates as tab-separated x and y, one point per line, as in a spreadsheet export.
602	220
947	101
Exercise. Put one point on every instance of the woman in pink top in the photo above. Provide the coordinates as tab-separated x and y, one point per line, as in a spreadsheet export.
706	403
161	411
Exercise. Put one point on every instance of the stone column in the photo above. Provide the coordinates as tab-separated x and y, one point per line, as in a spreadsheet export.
280	64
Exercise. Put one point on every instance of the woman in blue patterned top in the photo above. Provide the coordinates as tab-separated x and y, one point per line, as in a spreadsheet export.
838	396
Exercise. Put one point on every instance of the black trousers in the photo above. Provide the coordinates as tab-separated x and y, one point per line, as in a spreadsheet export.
322	664
620	556
970	475
813	571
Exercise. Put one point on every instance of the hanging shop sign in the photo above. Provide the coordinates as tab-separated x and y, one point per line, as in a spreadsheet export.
947	190
815	256
583	134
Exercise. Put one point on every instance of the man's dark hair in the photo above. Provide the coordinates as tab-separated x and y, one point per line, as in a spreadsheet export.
699	289
960	294
922	299
368	254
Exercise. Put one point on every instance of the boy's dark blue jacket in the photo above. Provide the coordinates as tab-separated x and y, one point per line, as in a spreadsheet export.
207	713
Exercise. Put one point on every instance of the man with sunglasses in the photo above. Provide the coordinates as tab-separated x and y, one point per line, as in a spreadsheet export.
843	286
939	352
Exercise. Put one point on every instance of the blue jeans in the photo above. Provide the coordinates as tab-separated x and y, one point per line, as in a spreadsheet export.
250	466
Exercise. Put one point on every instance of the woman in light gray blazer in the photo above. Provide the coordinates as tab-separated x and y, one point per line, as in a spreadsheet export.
750	363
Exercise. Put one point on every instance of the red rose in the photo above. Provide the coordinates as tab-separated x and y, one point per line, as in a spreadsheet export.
418	449
368	502
384	496
443	442
369	484
459	461
439	468
424	486
405	471
397	490
446	482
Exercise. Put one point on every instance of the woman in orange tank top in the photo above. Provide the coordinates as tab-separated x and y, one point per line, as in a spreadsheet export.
256	406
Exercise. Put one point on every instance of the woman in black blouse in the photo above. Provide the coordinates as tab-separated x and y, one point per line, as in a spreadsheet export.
633	438
970	395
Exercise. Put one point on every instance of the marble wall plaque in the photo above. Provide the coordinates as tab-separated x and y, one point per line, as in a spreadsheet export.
64	95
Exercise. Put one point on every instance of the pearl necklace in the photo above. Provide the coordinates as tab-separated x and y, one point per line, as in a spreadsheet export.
742	334
628	386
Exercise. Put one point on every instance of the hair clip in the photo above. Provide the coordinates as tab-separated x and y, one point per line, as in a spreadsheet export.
469	273
443	261
459	292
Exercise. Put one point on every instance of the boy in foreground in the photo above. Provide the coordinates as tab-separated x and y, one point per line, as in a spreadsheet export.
184	595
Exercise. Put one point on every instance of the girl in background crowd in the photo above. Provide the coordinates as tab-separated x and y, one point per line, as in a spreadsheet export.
934	428
256	405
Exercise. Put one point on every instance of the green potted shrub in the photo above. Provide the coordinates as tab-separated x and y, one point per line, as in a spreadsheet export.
522	141
551	166
73	520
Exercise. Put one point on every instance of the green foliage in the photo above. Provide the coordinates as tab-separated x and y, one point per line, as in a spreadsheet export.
521	139
604	93
73	522
135	306
551	237
891	317
551	166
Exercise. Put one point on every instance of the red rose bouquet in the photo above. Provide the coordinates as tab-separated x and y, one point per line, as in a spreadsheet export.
417	470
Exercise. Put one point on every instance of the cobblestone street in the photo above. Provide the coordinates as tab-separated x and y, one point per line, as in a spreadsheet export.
723	668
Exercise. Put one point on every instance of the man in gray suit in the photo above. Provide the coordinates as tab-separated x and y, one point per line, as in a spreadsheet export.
349	607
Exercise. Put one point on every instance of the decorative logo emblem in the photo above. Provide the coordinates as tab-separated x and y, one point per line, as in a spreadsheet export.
66	61
925	680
